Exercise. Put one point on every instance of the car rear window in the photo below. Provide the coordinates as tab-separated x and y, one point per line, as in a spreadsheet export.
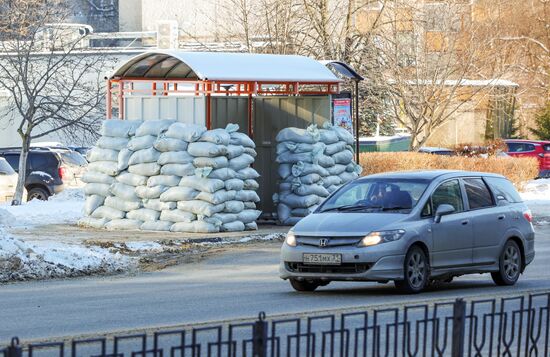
73	158
5	168
43	161
13	160
477	193
546	147
504	188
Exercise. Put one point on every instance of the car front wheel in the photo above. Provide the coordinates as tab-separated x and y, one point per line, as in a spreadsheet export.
37	193
304	285
510	265
415	271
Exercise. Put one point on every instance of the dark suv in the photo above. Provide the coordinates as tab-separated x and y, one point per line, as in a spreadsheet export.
49	170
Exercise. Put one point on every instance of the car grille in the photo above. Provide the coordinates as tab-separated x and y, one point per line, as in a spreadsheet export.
329	241
345	268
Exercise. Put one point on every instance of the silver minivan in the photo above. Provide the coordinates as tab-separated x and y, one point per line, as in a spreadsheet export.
412	227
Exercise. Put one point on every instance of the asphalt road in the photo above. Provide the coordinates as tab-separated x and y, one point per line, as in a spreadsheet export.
235	284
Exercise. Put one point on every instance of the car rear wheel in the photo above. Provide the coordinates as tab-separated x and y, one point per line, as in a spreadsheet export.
304	285
37	193
510	265
415	272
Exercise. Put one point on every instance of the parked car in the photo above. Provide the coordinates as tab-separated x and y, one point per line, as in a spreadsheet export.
531	148
436	151
412	227
8	181
82	150
49	171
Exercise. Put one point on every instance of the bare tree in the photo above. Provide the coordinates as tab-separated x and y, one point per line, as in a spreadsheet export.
54	85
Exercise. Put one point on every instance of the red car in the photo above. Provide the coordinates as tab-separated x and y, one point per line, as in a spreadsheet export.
532	148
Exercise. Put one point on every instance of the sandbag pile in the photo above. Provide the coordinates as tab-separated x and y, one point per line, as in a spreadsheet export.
313	163
171	176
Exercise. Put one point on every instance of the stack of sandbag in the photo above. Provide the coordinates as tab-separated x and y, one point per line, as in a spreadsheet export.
313	163
103	170
180	177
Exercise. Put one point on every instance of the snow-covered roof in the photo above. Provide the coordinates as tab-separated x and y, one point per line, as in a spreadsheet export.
219	66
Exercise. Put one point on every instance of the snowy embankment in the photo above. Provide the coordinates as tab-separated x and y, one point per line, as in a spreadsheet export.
536	194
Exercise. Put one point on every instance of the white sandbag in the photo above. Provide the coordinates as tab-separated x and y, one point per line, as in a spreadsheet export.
331	180
241	162
92	203
247	195
213	162
252	226
249	205
343	135
236	226
232	128
333	188
296	201
107	167
242	139
199	207
202	184
97	177
124	225
195	227
100	189
235	184
286	187
304	168
233	207
91	222
163	180
287	146
283	212
108	212
323	160
161	226
186	132
126	192
158	205
150	192
149	169
176	157
166	144
309	179
291	221
343	157
123	159
351	167
336	169
216	136
206	149
296	135
328	136
250	151
234	151
179	194
178	169
144	156
247	173
131	179
108	142
177	215
248	215
303	212
348	176
121	204
223	174
99	154
284	170
141	142
154	127
217	197
304	190
119	128
225	217
143	214
291	158
334	148
251	184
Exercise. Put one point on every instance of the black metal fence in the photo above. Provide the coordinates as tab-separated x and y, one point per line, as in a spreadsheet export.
515	326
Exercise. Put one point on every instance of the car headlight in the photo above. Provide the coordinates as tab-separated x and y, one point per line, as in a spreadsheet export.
374	238
290	239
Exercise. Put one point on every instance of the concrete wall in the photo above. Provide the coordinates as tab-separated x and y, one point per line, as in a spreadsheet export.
129	15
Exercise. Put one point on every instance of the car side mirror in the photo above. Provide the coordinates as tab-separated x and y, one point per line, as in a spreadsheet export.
443	210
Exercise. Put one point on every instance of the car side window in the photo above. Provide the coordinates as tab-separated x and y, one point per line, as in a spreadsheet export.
477	193
427	210
13	160
503	188
448	193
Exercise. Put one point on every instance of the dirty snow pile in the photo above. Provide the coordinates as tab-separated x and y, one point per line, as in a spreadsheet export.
163	175
536	194
21	260
313	163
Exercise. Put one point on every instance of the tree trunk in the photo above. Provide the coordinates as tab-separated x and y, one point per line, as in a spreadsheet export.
20	188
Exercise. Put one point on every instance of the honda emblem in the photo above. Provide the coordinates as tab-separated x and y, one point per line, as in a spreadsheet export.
323	242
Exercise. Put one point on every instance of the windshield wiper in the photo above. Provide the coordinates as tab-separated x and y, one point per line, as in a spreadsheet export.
394	208
351	208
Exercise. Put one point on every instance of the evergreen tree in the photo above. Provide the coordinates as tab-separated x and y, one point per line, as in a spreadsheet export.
542	123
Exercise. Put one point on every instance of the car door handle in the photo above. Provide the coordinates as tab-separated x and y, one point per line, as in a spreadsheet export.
501	217
465	222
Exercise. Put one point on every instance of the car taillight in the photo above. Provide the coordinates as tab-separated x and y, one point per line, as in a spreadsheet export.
61	172
528	216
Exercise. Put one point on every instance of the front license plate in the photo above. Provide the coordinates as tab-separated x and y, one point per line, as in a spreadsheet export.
322	259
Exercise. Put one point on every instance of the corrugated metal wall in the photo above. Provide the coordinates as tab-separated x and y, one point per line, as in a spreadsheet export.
271	114
184	109
230	110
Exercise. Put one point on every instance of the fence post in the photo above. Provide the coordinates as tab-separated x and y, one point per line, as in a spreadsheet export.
14	350
259	338
459	325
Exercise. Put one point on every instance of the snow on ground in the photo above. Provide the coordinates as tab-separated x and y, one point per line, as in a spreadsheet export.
536	194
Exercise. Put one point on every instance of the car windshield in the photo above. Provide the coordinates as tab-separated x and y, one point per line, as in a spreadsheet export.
377	195
70	157
5	168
